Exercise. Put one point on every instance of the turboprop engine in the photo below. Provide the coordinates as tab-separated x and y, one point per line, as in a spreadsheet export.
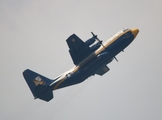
90	41
95	46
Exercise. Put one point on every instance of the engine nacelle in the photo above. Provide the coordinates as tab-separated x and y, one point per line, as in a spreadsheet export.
90	41
103	54
95	46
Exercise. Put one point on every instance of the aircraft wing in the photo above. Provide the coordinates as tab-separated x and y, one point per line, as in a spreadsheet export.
102	70
77	49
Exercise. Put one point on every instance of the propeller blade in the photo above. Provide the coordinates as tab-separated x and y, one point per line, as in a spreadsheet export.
95	36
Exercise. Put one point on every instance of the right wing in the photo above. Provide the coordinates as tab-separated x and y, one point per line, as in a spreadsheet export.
77	49
102	70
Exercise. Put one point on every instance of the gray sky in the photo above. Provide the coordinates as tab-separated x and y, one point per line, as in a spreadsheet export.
33	34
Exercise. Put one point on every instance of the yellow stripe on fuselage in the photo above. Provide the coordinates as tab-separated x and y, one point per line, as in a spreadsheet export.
105	45
60	81
110	41
95	53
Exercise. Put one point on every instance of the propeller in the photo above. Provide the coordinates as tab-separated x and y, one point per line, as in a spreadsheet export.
100	41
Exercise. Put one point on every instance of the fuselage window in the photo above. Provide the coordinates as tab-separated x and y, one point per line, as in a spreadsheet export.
124	30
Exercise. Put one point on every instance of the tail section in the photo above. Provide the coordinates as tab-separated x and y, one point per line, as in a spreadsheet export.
39	85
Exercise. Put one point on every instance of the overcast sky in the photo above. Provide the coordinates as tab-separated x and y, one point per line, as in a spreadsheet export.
33	35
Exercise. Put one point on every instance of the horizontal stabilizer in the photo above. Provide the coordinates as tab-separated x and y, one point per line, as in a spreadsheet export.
43	93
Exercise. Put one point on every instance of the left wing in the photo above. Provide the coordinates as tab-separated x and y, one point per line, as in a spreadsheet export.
77	49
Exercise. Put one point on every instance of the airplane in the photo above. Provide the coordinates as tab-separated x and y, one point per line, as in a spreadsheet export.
90	58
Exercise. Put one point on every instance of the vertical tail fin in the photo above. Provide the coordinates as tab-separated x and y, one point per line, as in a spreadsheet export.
39	85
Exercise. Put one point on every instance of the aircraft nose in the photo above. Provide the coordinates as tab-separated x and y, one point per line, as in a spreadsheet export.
135	32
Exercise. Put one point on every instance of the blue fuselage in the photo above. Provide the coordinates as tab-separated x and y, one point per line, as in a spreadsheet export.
88	67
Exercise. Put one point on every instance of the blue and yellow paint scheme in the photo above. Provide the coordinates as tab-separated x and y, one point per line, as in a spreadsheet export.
90	58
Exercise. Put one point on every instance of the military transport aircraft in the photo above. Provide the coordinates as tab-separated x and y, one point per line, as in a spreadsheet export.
89	57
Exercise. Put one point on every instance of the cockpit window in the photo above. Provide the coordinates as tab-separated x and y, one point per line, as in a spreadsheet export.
124	30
